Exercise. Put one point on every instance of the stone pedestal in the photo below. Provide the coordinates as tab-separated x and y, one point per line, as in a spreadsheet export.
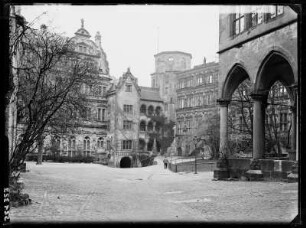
254	173
222	171
294	175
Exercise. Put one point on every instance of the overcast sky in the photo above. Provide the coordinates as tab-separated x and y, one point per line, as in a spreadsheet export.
132	35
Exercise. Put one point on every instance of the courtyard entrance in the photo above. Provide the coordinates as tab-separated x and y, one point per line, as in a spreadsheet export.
125	162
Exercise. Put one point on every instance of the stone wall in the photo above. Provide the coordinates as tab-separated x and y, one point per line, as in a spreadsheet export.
252	54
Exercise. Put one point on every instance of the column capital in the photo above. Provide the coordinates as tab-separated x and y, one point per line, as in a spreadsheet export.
223	102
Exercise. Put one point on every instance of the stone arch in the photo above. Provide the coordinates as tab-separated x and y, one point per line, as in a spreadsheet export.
179	151
150	144
274	67
125	162
287	55
235	76
150	110
142	125
150	126
143	109
141	144
158	110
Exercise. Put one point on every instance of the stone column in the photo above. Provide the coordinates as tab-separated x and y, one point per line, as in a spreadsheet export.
223	104
145	148
293	127
222	170
258	125
154	150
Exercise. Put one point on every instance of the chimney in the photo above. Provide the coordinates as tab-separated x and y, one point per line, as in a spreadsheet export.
98	39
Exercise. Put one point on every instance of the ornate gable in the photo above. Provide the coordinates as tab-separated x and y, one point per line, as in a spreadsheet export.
82	31
124	78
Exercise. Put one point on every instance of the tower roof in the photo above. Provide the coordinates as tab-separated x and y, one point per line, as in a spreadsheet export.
173	52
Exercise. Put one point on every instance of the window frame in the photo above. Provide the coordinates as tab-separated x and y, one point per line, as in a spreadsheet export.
127	144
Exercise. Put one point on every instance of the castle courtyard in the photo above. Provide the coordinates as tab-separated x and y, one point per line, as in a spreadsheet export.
67	192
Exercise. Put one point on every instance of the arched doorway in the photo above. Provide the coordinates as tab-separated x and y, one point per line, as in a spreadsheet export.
179	151
125	162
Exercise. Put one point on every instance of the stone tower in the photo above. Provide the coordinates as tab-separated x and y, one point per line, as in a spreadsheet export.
167	64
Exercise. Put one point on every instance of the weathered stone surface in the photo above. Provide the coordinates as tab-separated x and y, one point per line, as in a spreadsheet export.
254	175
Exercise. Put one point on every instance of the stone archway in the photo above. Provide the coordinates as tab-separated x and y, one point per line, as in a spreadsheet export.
235	77
275	67
179	151
125	162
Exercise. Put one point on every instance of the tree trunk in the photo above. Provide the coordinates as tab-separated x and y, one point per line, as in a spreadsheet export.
40	151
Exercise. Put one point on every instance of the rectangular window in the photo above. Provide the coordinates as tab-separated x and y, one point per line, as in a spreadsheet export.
275	11
128	108
127	124
87	113
128	88
126	144
99	114
103	114
238	22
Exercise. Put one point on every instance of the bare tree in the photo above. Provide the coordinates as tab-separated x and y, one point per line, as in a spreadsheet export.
50	77
240	120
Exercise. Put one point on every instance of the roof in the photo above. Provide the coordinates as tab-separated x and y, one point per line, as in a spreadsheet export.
150	94
173	52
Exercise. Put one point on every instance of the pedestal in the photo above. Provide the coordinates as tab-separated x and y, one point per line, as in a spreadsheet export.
294	175
254	173
222	171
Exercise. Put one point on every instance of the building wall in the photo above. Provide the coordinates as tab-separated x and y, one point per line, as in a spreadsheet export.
192	106
252	53
226	40
167	64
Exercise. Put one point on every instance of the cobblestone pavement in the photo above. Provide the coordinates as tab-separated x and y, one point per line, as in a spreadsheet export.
92	192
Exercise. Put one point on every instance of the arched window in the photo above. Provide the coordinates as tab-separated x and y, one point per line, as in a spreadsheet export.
100	142
142	126
143	109
158	110
150	110
86	146
150	126
71	146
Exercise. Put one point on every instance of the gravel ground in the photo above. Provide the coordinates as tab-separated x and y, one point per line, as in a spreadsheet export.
92	192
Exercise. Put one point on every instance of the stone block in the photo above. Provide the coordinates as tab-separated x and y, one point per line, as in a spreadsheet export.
239	163
221	173
267	165
254	175
293	177
287	166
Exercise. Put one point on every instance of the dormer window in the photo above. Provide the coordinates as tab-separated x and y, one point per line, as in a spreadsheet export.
128	88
